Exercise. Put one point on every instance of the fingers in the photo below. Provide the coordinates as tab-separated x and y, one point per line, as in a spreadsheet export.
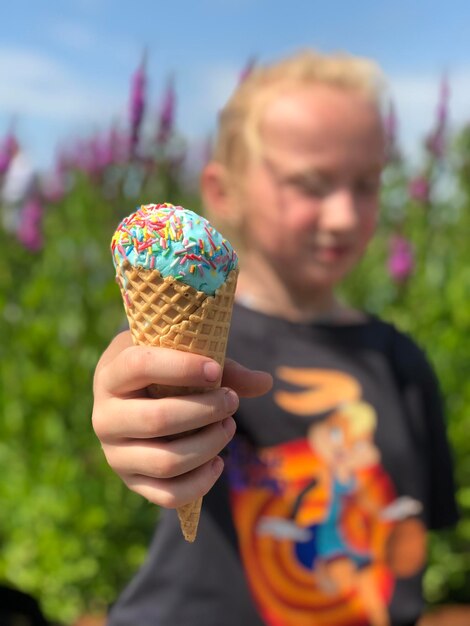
125	370
168	458
145	418
172	472
182	489
135	430
247	383
137	367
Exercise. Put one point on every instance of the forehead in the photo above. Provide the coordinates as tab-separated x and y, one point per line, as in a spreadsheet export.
323	123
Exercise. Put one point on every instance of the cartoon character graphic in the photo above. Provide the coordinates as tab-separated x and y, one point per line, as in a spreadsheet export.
344	441
327	521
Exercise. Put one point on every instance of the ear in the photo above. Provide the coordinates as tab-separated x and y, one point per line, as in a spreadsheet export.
216	192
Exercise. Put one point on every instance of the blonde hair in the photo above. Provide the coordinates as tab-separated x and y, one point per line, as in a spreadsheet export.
238	129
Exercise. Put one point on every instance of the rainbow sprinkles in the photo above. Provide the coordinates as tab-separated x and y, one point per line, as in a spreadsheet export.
177	242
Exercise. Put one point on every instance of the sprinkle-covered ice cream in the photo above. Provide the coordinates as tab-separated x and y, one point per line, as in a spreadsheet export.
177	242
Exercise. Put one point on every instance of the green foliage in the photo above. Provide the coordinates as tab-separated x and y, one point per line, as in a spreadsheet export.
70	532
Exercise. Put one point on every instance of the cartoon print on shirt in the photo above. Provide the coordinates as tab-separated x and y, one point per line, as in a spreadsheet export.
324	514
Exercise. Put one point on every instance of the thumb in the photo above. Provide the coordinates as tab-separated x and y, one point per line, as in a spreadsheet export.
245	382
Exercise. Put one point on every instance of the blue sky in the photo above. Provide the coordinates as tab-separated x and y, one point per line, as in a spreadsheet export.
65	65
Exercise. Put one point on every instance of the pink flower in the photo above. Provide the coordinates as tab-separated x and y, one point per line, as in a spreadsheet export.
137	103
401	259
29	230
167	114
419	189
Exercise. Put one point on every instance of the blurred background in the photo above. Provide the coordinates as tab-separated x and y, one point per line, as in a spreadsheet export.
106	105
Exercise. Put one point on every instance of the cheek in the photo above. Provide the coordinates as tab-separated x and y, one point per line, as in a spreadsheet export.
302	218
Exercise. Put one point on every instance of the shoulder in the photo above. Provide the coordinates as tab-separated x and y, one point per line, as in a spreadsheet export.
409	359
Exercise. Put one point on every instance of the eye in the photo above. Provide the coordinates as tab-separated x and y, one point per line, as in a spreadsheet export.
310	186
368	186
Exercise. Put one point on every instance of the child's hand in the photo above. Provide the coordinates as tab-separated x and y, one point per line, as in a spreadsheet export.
137	432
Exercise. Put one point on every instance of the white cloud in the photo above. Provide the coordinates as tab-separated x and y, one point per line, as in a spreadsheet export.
34	84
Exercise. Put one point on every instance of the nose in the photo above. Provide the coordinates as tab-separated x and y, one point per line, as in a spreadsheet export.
340	211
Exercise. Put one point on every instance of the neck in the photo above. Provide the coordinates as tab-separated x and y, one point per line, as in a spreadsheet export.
268	294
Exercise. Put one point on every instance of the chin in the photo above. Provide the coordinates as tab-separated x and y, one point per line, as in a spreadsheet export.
322	278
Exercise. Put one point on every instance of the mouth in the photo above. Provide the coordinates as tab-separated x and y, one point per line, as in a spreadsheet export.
331	253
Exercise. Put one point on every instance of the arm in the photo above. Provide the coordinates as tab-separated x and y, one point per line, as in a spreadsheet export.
137	433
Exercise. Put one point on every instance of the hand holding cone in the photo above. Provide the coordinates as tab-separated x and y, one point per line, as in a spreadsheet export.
177	276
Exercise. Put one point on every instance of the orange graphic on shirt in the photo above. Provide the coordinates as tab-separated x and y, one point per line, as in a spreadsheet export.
318	518
325	389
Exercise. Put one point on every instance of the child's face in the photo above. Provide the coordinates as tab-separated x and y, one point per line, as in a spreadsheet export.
309	205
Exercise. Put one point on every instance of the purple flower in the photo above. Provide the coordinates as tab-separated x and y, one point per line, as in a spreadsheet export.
92	155
53	186
167	114
137	103
103	151
391	133
7	151
118	143
29	230
390	124
65	159
436	141
84	157
419	188
246	71
443	106
401	259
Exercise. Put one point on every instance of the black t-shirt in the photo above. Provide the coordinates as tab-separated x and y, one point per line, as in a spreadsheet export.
333	477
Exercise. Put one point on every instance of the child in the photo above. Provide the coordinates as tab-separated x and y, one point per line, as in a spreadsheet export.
337	471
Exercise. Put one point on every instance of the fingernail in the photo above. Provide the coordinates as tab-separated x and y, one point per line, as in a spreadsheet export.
231	401
211	371
229	426
217	466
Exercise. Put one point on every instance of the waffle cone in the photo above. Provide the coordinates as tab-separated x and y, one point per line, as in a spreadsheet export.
167	313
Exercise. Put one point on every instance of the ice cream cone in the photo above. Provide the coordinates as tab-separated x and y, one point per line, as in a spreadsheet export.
177	277
167	313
